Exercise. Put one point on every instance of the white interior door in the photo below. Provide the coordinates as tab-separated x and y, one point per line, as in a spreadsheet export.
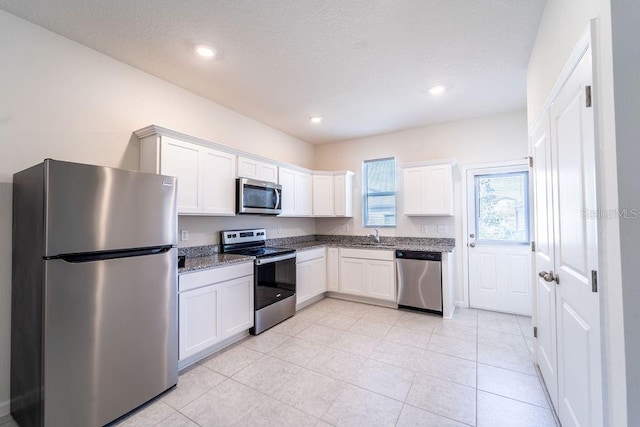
543	208
499	254
576	251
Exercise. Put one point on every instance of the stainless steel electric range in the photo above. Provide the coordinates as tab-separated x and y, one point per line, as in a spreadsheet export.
274	276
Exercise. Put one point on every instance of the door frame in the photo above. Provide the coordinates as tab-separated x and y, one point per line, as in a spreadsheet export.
464	169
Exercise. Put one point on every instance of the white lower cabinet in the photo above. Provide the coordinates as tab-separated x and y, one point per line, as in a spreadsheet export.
368	273
333	269
311	274
214	304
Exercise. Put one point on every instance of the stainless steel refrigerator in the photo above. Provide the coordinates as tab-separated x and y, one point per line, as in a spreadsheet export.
94	328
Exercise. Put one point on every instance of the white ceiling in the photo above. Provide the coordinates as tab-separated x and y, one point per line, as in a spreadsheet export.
363	65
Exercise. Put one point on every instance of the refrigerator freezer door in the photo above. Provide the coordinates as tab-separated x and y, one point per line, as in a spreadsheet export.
94	208
111	336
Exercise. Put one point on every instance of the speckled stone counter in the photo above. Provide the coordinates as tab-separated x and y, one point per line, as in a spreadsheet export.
382	246
425	244
212	261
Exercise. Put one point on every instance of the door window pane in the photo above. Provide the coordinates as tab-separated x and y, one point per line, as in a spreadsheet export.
502	207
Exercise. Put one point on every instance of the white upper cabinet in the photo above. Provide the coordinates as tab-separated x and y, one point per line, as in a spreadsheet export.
206	177
333	194
296	192
255	169
428	190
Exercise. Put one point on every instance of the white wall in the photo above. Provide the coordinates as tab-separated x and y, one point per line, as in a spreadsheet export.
64	101
563	22
483	140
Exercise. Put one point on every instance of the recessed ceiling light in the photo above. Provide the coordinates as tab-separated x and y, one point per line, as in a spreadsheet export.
315	119
437	89
205	51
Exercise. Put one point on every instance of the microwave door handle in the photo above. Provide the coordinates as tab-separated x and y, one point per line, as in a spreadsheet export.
277	198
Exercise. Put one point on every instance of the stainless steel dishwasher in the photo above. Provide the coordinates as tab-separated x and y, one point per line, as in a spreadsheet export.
420	280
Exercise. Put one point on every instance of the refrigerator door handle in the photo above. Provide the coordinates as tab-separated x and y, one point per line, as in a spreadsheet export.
101	256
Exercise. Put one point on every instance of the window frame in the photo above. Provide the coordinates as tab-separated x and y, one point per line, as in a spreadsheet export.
366	194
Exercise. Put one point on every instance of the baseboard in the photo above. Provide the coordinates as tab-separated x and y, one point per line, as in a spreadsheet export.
365	300
5	408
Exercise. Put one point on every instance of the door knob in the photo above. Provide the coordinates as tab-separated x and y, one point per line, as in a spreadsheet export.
549	276
472	235
473	245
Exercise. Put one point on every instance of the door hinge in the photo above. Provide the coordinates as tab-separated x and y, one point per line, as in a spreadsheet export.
530	161
594	281
533	246
587	92
535	332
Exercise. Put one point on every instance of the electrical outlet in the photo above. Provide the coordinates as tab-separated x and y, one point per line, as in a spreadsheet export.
442	229
425	228
184	235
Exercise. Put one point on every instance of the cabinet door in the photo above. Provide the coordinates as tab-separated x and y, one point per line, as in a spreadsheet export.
303	191
333	270
255	169
287	179
303	281
318	276
182	160
323	200
218	182
413	190
380	280
199	320
236	312
438	190
352	276
339	190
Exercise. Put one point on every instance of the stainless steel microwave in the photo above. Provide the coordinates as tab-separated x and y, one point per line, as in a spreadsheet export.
258	197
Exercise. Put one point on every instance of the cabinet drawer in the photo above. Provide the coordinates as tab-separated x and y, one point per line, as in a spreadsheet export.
367	254
212	276
310	254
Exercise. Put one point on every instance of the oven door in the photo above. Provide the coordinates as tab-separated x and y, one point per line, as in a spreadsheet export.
258	197
275	279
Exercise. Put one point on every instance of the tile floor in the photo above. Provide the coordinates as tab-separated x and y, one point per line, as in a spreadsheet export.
348	364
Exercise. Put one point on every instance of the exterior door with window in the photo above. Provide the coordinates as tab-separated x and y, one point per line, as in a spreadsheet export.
499	254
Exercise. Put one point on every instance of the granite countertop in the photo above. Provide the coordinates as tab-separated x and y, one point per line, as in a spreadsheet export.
212	261
382	246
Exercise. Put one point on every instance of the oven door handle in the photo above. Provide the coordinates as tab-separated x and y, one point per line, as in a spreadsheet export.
269	260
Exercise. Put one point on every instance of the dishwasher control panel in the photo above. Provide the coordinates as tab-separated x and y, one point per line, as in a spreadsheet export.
426	256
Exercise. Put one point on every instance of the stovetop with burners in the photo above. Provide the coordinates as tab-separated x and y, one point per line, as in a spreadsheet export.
249	242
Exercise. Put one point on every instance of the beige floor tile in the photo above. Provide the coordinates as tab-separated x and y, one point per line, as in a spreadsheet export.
266	341
355	310
499	325
453	347
267	374
311	314
358	407
191	385
310	392
506	358
388	380
456	330
149	415
336	364
232	360
226	404
448	368
417	321
444	398
370	328
514	342
355	343
498	411
320	334
332	304
410	337
337	321
297	351
511	384
176	420
492	315
400	355
292	326
383	315
8	421
273	413
416	417
464	316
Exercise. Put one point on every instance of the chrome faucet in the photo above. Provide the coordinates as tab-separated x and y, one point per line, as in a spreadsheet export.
375	237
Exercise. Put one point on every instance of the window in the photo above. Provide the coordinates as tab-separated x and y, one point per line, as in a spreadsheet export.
502	207
379	192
